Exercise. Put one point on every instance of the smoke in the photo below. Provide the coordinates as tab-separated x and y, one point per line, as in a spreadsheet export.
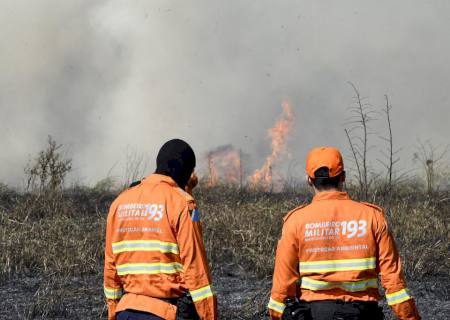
55	70
104	76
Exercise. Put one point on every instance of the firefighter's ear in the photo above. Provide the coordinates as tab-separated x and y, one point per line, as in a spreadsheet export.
309	180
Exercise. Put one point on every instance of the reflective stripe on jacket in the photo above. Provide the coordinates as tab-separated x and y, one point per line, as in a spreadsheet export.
154	249
335	248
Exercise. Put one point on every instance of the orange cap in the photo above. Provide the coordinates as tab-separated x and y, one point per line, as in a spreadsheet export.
328	157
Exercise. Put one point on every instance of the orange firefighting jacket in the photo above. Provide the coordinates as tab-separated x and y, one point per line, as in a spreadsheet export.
154	249
335	248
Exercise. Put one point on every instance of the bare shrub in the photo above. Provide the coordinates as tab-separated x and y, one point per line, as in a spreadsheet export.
136	165
48	171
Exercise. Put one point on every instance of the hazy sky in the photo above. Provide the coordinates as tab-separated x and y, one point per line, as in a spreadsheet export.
104	76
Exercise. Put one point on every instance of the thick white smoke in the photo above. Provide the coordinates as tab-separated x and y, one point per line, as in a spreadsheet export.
101	76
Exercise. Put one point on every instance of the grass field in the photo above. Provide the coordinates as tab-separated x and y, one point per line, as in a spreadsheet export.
51	248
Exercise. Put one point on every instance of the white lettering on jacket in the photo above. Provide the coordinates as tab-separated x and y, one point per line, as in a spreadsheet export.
324	230
141	211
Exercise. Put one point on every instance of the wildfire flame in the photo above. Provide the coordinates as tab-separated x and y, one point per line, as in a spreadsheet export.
224	164
262	178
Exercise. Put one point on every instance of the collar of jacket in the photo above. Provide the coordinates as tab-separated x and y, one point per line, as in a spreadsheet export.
156	178
331	195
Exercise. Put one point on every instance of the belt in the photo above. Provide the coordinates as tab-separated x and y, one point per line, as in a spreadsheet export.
355	304
172	301
347	309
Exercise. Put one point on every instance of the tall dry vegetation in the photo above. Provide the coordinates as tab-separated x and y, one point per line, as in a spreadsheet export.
65	239
243	228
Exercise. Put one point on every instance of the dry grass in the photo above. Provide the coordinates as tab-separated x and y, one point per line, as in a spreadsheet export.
57	234
60	236
243	228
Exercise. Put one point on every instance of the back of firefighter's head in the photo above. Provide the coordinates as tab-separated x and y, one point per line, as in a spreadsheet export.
176	159
325	169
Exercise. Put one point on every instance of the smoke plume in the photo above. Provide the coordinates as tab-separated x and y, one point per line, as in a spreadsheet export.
104	77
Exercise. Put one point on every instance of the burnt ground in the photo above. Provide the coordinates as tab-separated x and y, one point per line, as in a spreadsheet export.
240	297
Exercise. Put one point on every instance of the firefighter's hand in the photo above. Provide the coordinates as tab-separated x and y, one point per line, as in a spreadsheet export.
192	183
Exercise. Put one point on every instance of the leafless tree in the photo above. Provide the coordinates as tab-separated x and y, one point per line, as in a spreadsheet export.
430	158
361	115
391	157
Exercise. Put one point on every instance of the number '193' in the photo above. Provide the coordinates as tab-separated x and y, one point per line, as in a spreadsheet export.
354	228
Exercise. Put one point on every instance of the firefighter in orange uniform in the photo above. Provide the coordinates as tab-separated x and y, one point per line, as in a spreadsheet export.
155	261
331	253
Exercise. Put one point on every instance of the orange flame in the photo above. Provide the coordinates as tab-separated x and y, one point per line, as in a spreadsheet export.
224	166
263	178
